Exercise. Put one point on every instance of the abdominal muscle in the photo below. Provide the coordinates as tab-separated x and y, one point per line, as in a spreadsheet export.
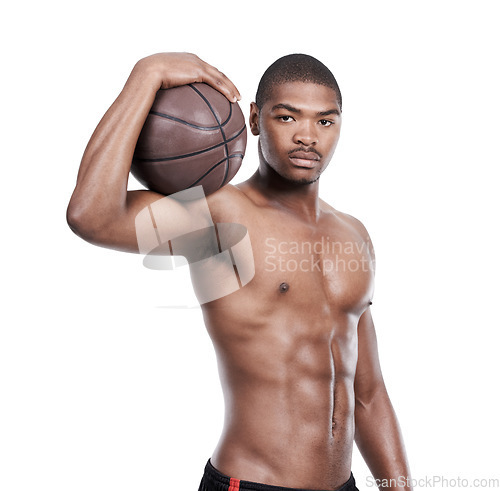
289	399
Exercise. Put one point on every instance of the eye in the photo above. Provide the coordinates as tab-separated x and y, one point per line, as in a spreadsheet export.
285	119
325	122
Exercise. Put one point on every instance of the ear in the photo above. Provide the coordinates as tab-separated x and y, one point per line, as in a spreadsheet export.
253	120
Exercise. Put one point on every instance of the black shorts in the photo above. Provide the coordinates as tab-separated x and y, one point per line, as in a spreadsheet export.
213	480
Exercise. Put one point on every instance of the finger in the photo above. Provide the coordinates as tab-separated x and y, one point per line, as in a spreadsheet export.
220	82
220	79
230	84
224	89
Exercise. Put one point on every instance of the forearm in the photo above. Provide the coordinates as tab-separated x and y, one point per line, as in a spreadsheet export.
101	190
380	442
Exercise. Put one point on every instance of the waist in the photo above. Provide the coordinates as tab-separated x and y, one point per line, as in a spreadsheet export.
213	476
319	458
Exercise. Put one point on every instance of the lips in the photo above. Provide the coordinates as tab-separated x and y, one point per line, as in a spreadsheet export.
304	159
304	155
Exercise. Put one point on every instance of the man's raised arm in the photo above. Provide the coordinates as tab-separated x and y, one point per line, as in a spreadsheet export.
101	210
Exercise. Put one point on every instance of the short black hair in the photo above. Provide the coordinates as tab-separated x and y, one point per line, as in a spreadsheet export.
295	68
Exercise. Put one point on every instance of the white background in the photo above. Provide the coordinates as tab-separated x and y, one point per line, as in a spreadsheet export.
103	384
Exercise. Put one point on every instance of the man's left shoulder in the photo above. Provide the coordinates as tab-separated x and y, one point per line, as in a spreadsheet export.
346	220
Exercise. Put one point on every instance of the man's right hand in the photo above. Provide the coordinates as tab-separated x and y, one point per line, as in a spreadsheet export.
174	69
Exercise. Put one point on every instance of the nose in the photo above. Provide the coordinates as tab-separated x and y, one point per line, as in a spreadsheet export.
306	134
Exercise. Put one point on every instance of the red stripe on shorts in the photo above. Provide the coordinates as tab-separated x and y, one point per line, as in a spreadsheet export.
234	484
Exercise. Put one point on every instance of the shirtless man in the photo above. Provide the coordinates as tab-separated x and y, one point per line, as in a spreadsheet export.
296	346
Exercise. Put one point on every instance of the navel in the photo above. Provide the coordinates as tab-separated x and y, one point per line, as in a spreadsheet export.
284	287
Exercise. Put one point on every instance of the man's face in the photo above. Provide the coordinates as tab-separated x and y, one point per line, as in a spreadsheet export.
299	127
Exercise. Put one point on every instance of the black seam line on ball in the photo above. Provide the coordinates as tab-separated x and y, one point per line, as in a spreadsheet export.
226	149
191	125
165	159
240	155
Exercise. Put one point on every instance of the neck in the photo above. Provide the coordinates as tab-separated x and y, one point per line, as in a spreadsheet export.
300	199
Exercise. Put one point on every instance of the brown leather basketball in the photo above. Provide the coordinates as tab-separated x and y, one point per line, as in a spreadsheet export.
192	136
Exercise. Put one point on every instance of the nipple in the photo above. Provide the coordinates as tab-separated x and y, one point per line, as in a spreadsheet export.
284	287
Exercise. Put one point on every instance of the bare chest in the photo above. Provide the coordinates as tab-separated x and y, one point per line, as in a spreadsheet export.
312	267
309	281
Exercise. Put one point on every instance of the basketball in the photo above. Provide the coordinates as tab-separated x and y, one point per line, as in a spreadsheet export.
192	136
